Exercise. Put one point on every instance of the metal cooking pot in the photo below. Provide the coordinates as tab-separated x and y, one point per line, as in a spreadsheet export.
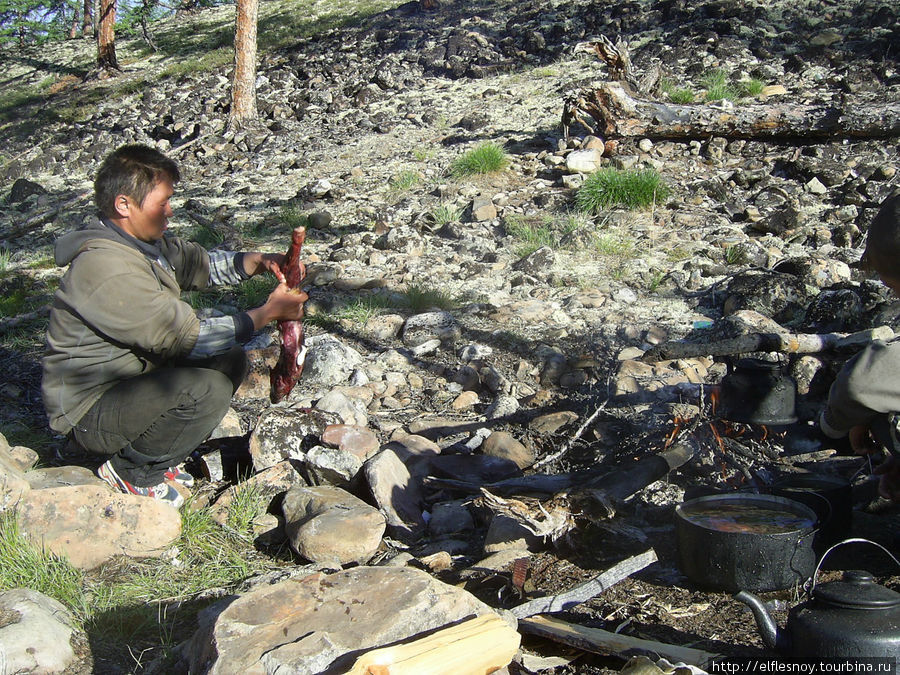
829	496
756	391
744	560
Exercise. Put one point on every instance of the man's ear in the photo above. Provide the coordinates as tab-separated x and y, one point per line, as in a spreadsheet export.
122	205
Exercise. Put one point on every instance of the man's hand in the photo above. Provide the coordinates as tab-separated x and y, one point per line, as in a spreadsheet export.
257	263
283	304
861	440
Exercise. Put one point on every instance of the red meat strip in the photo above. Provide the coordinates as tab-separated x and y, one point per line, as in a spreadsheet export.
290	363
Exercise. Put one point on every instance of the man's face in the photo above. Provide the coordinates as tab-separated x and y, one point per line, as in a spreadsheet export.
149	220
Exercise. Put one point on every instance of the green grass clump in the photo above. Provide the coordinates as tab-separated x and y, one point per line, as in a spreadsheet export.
485	158
403	182
357	311
736	255
533	235
718	87
446	213
23	564
676	94
752	87
422	298
634	189
255	291
292	217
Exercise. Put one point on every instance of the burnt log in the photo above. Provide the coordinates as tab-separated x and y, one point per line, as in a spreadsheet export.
620	115
290	362
786	343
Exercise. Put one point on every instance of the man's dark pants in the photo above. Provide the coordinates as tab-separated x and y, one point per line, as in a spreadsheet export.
154	421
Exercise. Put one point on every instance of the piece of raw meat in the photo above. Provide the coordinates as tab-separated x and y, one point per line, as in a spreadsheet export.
293	352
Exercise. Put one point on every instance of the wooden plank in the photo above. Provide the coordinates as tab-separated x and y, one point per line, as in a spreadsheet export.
474	647
600	641
587	590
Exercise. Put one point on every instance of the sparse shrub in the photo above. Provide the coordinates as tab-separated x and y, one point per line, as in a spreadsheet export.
404	181
292	217
485	158
633	189
532	234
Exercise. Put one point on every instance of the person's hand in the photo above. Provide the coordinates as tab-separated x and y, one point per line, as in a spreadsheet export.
283	304
861	440
257	263
889	484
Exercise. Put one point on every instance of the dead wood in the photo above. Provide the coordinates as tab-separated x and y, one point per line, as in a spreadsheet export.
43	218
617	114
618	61
480	645
787	343
10	322
599	641
589	589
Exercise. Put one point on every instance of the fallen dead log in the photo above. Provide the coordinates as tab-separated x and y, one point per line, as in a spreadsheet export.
589	589
619	115
474	647
10	322
43	218
600	641
621	481
787	343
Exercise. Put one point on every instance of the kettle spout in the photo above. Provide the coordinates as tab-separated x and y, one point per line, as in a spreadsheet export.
772	636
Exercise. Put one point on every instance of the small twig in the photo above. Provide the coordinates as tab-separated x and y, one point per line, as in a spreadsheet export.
568	444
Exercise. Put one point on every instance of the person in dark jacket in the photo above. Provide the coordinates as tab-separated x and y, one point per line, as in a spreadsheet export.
864	401
129	371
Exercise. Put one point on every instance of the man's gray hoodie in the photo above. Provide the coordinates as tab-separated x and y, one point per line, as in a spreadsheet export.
118	313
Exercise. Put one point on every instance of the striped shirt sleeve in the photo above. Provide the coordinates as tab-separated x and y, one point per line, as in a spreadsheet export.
226	267
219	334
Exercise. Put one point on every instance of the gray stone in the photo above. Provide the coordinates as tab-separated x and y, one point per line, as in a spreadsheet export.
398	496
61	476
349	409
329	361
304	625
35	633
504	445
283	433
439	325
450	518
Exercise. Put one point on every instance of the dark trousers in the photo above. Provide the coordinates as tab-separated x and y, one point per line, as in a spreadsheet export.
154	421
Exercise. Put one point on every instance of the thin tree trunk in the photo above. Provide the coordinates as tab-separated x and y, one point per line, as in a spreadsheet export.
73	30
243	86
106	36
87	24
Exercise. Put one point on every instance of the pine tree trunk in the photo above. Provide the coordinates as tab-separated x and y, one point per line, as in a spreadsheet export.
243	86
73	29
87	25
106	36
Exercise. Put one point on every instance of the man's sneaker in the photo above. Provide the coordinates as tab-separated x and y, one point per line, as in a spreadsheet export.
162	492
180	476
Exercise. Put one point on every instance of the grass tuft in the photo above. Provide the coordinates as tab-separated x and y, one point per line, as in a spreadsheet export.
421	298
634	189
676	94
718	87
485	158
446	213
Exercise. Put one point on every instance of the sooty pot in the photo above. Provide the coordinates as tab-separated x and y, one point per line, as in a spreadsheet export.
853	617
758	392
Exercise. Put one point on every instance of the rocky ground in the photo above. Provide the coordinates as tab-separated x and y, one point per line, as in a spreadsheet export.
363	122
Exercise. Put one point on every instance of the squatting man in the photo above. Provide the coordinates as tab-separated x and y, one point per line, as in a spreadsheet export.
864	401
130	372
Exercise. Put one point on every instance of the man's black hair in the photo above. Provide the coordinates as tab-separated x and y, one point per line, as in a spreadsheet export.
131	170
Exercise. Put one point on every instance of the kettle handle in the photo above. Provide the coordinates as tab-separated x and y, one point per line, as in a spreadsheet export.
854	540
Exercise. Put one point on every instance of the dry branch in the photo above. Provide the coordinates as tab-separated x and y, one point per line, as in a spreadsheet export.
9	322
787	343
619	115
600	641
43	218
587	590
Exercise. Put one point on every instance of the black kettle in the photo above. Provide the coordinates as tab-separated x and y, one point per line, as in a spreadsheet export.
757	391
853	617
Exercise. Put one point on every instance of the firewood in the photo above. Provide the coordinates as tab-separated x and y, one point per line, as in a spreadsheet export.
474	647
589	589
599	641
619	115
787	343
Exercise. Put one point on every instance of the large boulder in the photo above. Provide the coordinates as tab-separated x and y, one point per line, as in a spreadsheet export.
322	622
90	524
286	433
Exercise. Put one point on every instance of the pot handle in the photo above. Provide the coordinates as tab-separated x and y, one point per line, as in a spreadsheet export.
854	540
